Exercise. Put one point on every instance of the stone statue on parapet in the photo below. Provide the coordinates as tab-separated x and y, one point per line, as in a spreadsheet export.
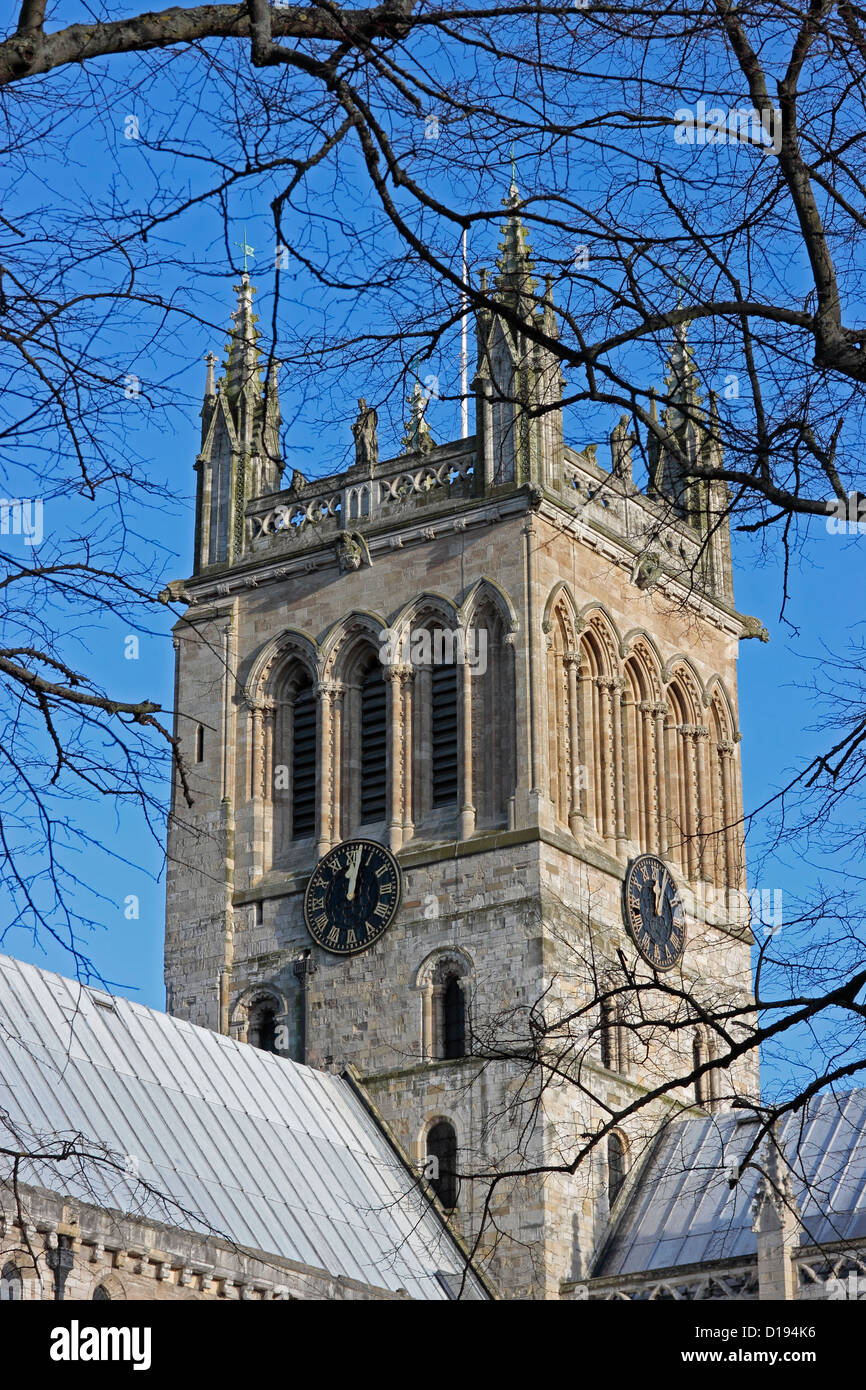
621	441
365	430
417	438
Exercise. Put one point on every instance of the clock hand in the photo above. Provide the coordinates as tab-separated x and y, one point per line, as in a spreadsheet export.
352	872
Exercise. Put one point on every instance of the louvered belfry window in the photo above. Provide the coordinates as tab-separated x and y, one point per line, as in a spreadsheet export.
304	763
444	721
374	746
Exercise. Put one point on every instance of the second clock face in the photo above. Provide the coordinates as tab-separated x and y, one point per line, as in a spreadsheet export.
352	896
654	912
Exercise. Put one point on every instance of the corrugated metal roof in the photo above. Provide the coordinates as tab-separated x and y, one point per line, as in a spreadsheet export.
231	1141
684	1210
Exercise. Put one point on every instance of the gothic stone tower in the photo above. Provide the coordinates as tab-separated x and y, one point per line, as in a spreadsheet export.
601	723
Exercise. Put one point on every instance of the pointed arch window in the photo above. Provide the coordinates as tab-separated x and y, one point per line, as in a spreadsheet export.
442	1148
101	1294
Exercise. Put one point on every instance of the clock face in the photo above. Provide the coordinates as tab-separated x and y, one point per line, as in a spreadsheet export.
353	896
654	912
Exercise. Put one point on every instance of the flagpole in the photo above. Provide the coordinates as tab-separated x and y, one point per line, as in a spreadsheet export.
464	353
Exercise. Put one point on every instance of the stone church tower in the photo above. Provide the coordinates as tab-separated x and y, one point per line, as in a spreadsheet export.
597	720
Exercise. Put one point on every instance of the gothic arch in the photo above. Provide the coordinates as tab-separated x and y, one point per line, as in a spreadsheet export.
641	736
599	701
356	719
562	596
638	644
717	690
282	745
424	609
486	590
487	713
595	619
356	627
290	645
687	778
567	743
683	669
436	757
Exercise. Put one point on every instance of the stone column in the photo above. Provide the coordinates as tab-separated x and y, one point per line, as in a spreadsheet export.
467	809
704	827
408	754
646	773
486	432
777	1224
257	848
603	737
324	692
575	819
337	695
660	711
394	682
729	855
690	796
509	662
616	690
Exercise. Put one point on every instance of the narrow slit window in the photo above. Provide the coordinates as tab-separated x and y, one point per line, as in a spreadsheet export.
199	743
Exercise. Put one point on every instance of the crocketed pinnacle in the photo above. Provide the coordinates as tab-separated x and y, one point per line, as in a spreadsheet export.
515	283
242	362
681	381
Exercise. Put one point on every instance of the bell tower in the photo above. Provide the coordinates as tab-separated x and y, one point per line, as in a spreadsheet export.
492	657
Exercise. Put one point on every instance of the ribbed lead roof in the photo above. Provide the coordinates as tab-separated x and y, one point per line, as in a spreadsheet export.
685	1211
184	1126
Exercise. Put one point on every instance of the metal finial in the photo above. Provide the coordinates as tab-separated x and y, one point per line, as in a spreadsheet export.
247	250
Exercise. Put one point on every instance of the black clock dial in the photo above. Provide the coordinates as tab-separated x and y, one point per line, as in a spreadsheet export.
654	912
353	896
